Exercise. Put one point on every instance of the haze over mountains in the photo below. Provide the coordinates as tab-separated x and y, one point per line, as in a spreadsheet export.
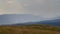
55	22
19	19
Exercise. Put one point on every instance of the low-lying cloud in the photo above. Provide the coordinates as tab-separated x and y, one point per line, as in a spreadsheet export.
44	8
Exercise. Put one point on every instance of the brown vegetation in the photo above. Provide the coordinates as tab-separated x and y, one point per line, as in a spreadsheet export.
29	29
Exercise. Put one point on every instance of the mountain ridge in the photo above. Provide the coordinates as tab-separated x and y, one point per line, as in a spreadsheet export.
47	22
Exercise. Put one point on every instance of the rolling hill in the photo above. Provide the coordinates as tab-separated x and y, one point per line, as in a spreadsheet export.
55	22
15	25
18	18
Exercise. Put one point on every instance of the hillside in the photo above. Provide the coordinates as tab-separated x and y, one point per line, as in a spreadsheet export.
18	18
30	29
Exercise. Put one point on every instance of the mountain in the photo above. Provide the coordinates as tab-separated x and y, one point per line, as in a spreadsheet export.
26	19
55	22
18	18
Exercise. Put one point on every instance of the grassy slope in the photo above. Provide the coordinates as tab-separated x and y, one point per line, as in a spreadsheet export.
31	29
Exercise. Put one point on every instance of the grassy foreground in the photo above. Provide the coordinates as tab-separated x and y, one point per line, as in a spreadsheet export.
30	29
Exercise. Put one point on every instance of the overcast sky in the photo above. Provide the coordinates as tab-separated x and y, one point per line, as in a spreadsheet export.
43	8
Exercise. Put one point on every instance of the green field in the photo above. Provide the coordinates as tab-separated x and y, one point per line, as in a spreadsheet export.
30	29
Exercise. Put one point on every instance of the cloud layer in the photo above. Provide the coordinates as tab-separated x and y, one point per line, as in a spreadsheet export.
44	8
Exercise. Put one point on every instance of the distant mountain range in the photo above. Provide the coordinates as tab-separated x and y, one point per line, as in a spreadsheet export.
18	18
47	22
55	22
26	19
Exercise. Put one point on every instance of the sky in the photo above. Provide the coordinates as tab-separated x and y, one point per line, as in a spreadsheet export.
43	8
